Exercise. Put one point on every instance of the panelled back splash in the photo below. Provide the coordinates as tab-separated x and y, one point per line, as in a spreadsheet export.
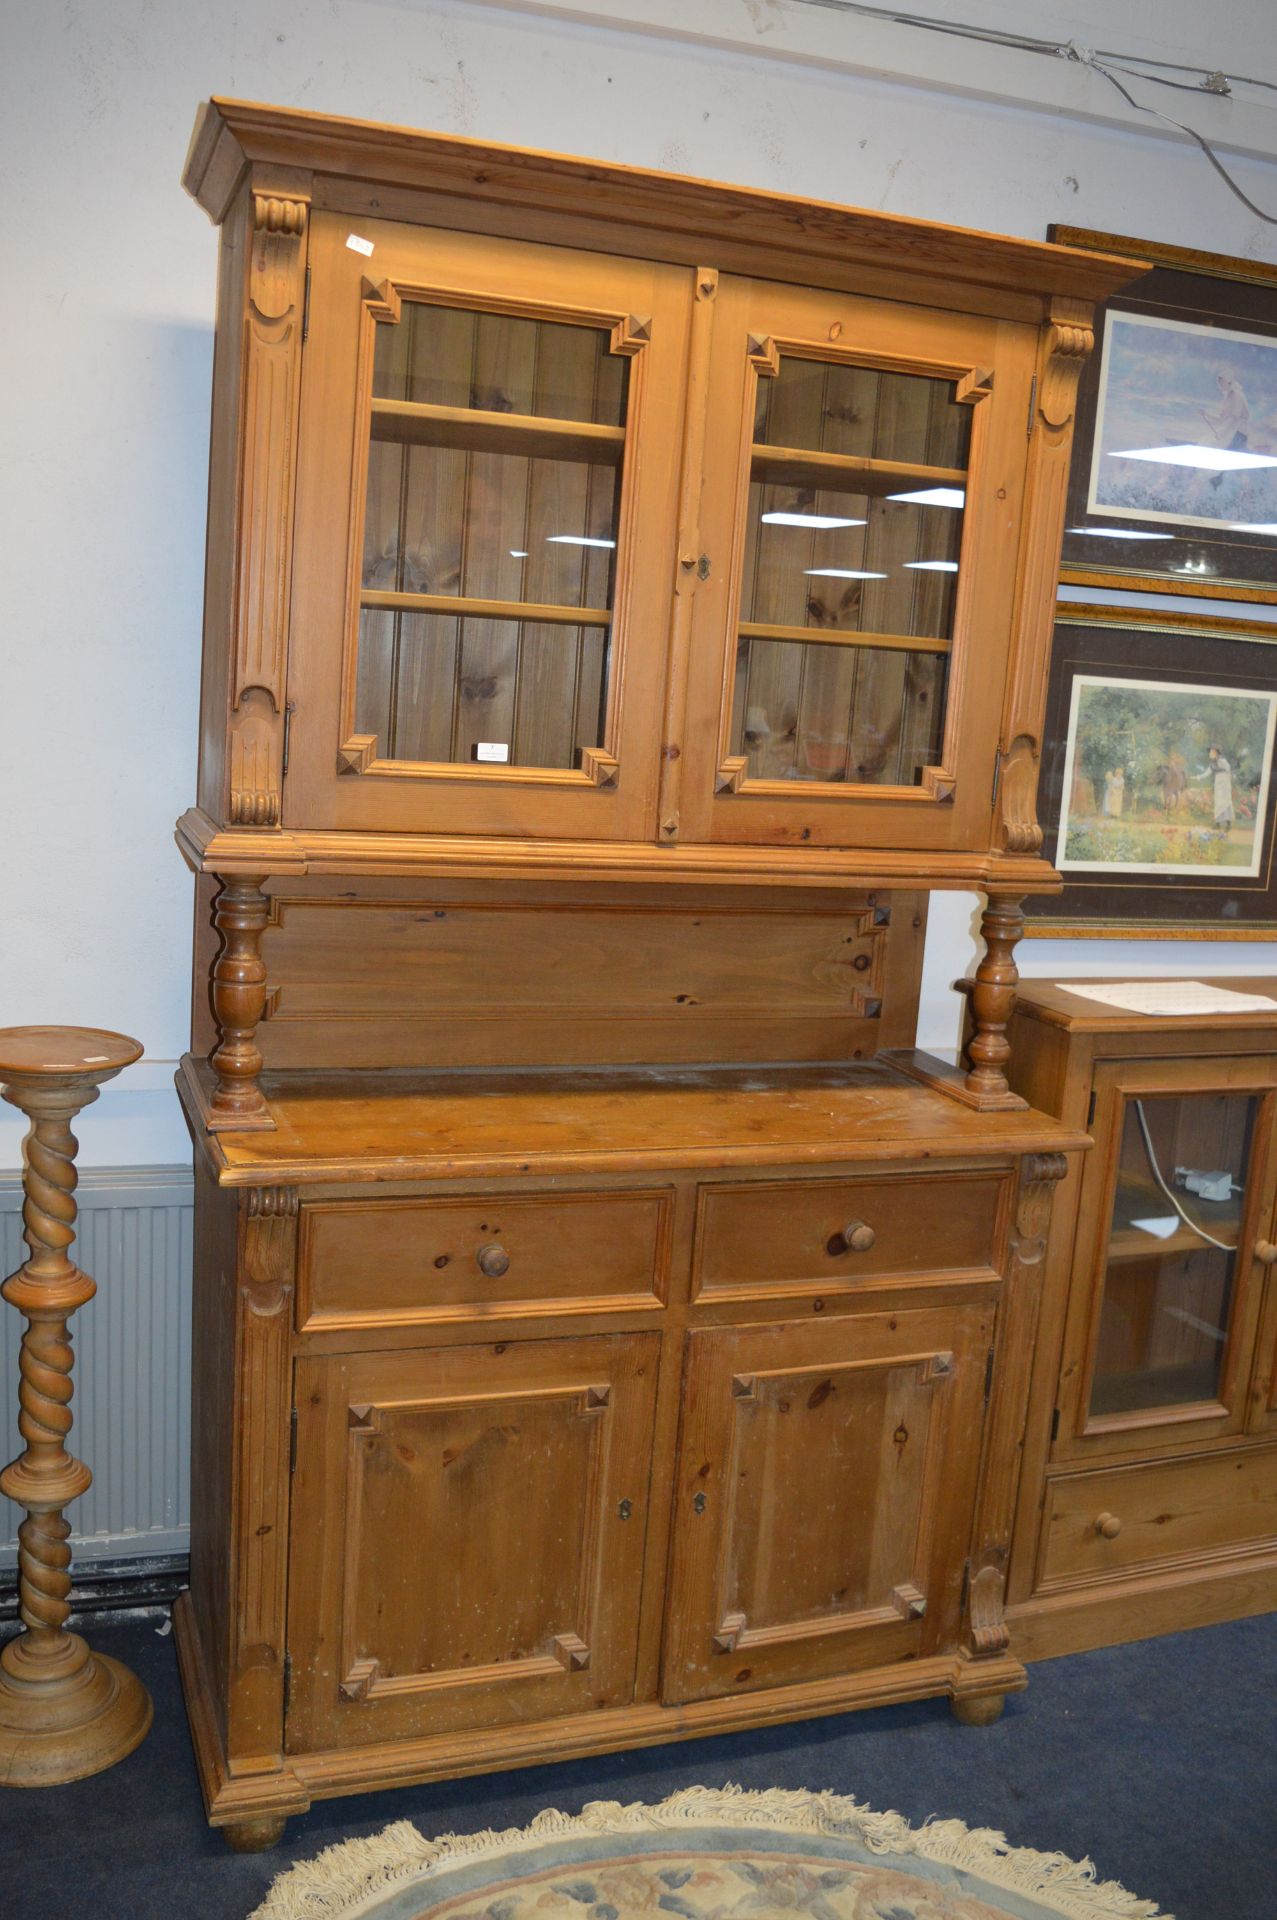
391	973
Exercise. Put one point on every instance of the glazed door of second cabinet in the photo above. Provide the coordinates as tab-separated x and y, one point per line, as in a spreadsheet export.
825	1496
1170	1257
850	635
467	1536
484	543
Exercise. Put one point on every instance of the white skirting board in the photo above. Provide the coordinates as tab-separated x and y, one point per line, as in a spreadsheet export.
132	1401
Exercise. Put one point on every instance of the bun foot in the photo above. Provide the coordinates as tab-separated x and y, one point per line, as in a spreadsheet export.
255	1836
977	1709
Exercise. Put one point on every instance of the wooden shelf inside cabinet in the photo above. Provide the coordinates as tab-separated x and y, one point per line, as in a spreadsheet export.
847	472
534	437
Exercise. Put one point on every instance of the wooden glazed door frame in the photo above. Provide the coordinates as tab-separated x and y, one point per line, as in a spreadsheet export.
336	779
1112	1437
754	324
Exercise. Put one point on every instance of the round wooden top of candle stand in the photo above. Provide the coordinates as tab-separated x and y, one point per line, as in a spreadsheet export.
64	1052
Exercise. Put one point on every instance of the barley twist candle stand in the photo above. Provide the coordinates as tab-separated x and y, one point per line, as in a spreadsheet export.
64	1711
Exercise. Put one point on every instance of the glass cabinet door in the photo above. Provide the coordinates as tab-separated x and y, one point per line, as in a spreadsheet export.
849	645
477	634
1176	1203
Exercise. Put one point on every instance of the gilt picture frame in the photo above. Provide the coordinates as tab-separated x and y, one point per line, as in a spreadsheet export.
1173	481
1157	794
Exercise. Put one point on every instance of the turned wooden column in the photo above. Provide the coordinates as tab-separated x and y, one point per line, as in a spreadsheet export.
239	998
993	999
64	1711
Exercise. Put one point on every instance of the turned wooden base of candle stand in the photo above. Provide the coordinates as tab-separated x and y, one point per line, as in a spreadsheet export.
65	1712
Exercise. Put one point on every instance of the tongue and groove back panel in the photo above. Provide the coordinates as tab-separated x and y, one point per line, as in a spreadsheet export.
389	973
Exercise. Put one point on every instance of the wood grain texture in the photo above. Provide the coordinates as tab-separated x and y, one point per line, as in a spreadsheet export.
397	976
684	211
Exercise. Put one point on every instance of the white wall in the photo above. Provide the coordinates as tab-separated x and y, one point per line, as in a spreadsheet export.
106	345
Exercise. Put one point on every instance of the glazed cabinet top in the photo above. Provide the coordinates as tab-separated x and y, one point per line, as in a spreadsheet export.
570	518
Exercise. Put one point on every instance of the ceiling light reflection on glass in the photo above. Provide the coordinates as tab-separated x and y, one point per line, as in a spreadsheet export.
933	497
1119	533
841	573
932	566
821	522
576	540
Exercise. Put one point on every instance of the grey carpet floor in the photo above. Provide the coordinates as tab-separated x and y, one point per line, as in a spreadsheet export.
1159	1760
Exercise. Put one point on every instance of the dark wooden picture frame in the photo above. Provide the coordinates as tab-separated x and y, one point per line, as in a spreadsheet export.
1192	650
1204	290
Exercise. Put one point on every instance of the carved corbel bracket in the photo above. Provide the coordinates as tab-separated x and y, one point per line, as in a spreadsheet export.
1068	338
270	1247
987	1631
274	301
1039	1173
1018	796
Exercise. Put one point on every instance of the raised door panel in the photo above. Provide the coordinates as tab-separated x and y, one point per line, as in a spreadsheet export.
484	547
850	636
825	1495
467	1536
1175	1205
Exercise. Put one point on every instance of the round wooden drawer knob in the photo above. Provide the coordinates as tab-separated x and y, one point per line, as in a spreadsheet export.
493	1260
858	1238
1265	1251
1108	1526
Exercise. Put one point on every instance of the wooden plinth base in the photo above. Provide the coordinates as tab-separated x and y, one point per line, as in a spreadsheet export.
949	1080
56	1730
199	1080
252	1806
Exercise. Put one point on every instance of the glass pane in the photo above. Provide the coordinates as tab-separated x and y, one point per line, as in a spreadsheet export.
495	692
829	408
856	530
1168	1284
489	526
493	481
858	714
451	357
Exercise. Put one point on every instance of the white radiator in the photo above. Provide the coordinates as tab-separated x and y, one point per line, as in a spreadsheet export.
132	1402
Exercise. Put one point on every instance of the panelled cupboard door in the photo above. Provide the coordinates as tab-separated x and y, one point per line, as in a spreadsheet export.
825	1496
467	1536
1174	1219
859	518
484	547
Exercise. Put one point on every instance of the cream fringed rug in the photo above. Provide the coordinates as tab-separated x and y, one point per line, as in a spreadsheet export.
701	1855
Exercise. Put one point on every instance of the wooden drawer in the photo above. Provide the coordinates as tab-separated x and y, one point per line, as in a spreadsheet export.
1164	1510
790	1238
406	1262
